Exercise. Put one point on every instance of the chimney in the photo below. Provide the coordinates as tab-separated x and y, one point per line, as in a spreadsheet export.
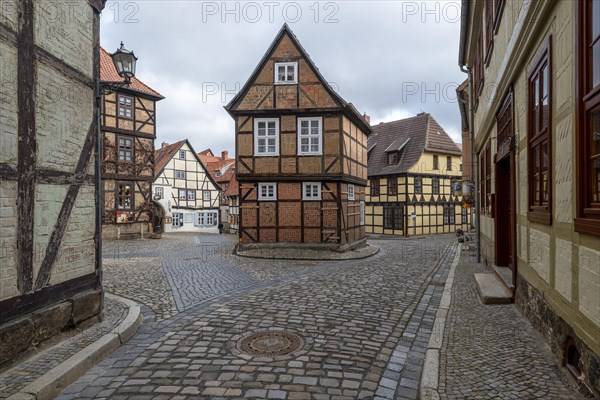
367	118
224	155
163	145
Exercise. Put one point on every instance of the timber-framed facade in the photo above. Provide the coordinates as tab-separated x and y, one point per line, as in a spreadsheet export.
301	154
128	133
49	260
187	193
414	169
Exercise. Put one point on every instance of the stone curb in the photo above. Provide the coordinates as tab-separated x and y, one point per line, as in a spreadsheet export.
428	389
49	385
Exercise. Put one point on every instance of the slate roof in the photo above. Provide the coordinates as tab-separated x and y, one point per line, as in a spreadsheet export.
413	136
108	72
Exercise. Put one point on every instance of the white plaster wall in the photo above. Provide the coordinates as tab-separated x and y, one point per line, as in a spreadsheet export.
64	112
589	284
539	253
562	268
64	28
8	239
8	102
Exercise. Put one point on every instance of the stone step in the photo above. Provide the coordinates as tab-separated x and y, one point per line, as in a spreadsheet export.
492	290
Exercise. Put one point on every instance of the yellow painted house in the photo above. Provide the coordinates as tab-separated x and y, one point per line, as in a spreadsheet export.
534	84
414	171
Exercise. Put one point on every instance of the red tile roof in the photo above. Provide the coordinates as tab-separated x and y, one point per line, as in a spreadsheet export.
164	154
108	72
233	188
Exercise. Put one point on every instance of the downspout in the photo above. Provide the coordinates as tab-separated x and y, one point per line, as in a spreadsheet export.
474	165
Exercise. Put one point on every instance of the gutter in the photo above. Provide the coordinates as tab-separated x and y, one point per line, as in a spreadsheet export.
474	167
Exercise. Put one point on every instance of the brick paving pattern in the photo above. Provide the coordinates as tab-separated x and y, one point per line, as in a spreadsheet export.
14	379
492	352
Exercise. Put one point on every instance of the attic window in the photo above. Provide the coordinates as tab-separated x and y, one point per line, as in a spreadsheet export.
286	72
218	173
393	158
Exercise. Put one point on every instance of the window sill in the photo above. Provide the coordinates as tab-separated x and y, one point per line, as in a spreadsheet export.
543	218
587	226
267	155
286	83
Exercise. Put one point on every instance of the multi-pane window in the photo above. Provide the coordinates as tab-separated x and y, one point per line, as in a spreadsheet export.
266	137
392	186
208	218
177	220
393	217
375	187
182	154
448	163
125	196
125	106
464	215
453	182
436	163
505	124
267	191
179	174
182	194
286	72
418	185
125	149
311	191
478	66
191	195
489	29
310	135
485	181
393	158
350	192
588	135
206	195
449	215
435	185
159	192
539	138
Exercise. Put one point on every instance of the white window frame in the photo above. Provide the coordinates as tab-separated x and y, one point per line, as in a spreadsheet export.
267	137
350	191
267	197
204	195
159	190
182	154
182	194
305	186
310	136
286	65
179	173
192	193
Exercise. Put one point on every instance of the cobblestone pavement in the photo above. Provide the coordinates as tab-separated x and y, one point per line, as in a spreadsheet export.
492	352
14	379
359	320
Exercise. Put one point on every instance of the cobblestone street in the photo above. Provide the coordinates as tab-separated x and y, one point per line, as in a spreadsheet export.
363	325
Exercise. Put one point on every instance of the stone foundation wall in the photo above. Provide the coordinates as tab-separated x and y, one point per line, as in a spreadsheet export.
125	231
556	331
27	333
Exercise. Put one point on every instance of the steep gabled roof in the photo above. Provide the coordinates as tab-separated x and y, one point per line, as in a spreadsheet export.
163	155
233	188
108	72
411	136
285	30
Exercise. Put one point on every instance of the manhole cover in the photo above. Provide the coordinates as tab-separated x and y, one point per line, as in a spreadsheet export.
270	343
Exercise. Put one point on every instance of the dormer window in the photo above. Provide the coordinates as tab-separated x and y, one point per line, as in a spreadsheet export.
392	158
286	73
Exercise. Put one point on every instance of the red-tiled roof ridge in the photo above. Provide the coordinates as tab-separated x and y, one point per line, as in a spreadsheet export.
233	188
108	72
164	154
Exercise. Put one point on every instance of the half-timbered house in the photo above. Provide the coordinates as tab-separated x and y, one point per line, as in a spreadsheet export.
128	134
222	170
232	196
533	92
186	191
414	167
50	274
301	154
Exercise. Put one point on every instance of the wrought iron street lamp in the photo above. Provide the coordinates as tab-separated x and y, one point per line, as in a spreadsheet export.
125	63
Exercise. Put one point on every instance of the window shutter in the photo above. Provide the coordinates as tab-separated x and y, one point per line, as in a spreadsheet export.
196	215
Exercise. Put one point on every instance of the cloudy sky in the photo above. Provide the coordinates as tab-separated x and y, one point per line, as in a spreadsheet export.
392	59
